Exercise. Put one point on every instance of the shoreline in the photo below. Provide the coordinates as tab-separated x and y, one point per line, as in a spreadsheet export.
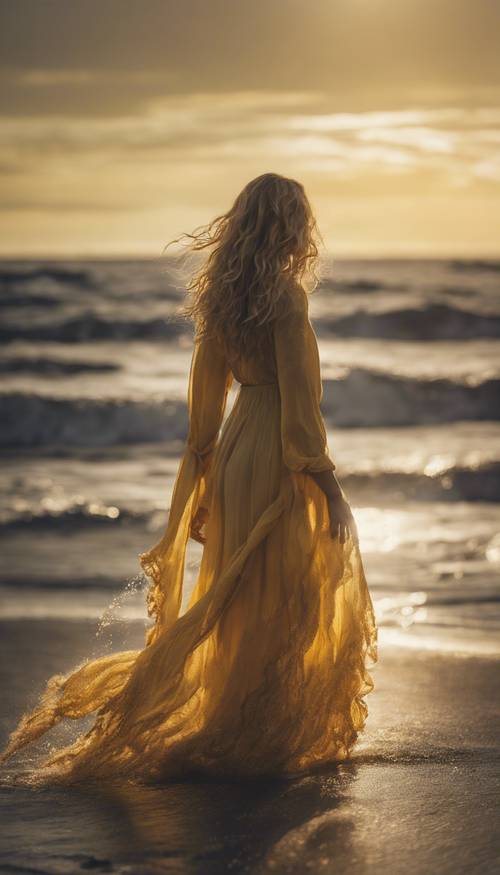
425	767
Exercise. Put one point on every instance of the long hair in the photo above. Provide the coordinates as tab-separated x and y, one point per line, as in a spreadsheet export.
263	246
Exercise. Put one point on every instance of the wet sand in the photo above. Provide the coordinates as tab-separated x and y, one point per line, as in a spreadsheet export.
420	794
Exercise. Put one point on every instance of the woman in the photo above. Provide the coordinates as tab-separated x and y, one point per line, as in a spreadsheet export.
265	671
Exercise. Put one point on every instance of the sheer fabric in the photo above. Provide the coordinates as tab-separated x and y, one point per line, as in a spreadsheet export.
266	670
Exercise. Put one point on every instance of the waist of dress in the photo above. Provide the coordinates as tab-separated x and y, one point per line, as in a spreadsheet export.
257	385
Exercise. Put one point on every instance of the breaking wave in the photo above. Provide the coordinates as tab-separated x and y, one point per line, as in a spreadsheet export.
480	483
65	275
435	322
89	327
361	398
30	420
371	398
476	265
73	517
48	367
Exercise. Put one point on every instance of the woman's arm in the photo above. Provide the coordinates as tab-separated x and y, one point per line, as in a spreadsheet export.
209	383
342	521
302	427
328	483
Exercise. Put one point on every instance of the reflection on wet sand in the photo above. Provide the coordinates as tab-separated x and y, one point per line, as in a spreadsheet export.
211	827
426	765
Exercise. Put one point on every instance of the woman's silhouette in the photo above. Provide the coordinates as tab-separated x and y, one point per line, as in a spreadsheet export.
266	670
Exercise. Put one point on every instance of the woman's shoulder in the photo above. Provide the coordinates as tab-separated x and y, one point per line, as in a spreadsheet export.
295	301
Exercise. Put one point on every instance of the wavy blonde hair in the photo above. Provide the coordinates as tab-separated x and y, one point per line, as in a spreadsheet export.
263	246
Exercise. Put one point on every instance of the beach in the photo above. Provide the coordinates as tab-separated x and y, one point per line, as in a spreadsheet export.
419	793
93	422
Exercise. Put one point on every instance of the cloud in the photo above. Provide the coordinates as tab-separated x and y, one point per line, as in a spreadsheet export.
157	113
275	127
86	57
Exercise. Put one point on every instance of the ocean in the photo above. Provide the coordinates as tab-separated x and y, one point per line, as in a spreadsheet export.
94	364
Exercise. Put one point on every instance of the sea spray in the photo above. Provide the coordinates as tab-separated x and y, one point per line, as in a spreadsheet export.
126	605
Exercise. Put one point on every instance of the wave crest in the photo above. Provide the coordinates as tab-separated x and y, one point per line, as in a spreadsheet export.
435	322
362	398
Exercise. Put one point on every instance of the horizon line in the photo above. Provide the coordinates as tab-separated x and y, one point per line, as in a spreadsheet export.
343	256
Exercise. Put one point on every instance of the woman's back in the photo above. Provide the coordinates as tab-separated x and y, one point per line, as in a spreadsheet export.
260	366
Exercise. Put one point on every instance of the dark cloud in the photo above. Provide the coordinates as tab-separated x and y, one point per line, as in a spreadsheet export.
128	52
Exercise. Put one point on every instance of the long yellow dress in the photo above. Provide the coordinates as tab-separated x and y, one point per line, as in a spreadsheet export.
266	670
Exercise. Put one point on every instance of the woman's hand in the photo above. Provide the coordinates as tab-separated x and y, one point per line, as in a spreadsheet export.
197	523
342	524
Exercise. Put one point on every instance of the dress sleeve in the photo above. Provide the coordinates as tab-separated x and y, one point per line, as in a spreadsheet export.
303	432
209	381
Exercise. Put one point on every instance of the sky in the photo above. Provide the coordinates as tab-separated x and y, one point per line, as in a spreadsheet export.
126	122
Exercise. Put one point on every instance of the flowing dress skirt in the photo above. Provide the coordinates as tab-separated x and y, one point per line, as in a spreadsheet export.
266	670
